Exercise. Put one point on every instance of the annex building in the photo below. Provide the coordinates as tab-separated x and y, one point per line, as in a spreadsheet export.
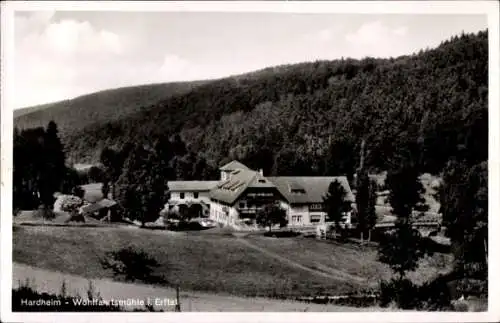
241	192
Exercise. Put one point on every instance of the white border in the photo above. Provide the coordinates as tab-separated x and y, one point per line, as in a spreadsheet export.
491	8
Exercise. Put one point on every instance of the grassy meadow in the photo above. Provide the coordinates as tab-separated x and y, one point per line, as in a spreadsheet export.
218	262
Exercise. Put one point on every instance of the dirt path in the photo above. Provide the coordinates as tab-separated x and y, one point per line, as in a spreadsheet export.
324	271
51	281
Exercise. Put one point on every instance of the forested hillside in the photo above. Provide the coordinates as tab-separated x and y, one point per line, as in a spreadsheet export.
73	115
309	118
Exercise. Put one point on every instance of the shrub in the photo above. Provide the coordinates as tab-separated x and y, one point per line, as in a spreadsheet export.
75	217
132	265
402	292
70	202
44	212
431	296
435	295
475	287
461	306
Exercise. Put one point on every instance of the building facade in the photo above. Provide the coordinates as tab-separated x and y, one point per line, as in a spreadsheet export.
241	193
192	196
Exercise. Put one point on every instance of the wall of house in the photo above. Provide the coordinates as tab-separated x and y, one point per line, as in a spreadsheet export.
225	175
298	215
220	213
314	216
189	196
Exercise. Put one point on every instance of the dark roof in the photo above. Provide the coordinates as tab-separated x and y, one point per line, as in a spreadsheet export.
233	166
192	186
228	191
315	188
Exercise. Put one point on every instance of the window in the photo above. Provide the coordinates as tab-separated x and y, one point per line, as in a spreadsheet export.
296	218
316	218
316	207
195	194
181	195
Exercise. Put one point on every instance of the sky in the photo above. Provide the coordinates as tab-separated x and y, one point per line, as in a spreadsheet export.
64	54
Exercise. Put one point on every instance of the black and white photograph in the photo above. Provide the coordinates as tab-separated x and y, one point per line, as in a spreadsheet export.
306	158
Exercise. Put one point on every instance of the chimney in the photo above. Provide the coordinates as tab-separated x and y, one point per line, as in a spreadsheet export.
261	171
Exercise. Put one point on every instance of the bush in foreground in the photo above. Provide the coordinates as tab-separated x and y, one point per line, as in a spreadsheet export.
132	265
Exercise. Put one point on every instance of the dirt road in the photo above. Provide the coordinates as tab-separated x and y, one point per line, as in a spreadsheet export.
51	281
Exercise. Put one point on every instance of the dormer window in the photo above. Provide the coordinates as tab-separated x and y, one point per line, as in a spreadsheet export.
316	207
262	180
295	188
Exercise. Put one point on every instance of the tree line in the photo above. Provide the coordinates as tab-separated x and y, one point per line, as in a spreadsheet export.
39	167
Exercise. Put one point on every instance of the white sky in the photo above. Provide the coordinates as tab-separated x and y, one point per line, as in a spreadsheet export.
60	55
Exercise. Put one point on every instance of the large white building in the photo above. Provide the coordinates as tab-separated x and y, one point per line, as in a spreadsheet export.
241	192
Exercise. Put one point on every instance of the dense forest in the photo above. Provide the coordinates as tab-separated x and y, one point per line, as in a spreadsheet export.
309	118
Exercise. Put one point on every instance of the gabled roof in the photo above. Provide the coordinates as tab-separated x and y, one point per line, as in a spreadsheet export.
233	166
315	188
102	204
191	186
230	190
259	181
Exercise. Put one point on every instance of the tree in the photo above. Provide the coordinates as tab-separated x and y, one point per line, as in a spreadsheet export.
105	189
53	165
113	162
110	161
165	152
39	166
270	215
141	189
366	199
56	156
96	174
401	248
336	204
179	147
464	205
18	173
78	191
340	158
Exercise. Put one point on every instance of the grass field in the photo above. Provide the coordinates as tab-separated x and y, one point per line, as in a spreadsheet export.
201	261
351	260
